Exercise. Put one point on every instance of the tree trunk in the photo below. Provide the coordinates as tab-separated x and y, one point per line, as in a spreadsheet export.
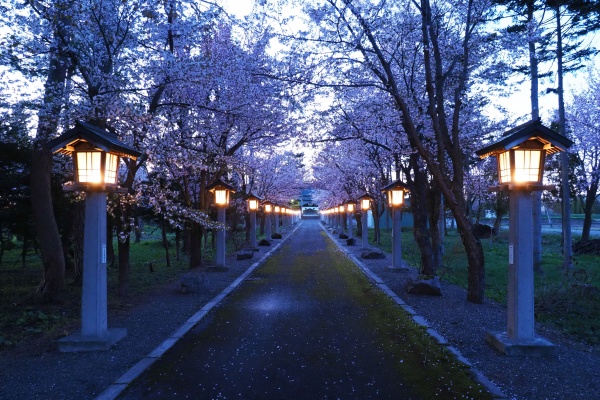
590	200
536	197
564	157
77	241
177	244
376	222
475	257
165	242
419	202
436	233
48	236
124	266
195	245
110	248
138	229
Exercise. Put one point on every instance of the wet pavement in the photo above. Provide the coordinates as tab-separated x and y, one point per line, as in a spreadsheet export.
306	324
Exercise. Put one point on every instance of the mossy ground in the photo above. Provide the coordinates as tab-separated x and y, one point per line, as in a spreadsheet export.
327	324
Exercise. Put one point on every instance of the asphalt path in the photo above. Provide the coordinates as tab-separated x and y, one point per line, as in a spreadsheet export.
306	324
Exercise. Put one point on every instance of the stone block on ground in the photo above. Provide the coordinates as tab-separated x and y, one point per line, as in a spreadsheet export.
372	254
264	242
429	286
276	236
351	242
245	254
191	282
343	236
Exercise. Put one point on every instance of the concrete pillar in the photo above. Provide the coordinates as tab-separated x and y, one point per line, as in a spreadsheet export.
519	338
268	230
220	256
365	229
520	268
253	229
397	239
276	222
94	301
94	334
349	223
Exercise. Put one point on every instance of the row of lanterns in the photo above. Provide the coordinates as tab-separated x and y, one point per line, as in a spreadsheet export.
520	157
222	191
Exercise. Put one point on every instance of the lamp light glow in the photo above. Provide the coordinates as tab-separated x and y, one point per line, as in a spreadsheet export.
520	166
221	191
396	197
253	204
96	167
221	197
365	204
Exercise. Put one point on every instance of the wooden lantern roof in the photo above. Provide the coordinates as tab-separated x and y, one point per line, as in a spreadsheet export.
551	141
94	136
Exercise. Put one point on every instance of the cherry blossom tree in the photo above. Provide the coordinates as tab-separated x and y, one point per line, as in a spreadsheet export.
424	56
584	121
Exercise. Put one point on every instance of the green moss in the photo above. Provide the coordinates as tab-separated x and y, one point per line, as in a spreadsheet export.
431	369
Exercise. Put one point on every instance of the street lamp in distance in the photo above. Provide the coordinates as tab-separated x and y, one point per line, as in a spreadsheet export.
221	192
395	193
365	206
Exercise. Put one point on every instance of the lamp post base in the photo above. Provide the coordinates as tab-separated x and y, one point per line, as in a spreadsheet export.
536	347
76	343
398	268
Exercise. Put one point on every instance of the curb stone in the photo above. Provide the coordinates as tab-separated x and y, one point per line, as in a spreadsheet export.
492	388
119	386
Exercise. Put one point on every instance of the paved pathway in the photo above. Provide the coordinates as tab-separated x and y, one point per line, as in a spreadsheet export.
306	324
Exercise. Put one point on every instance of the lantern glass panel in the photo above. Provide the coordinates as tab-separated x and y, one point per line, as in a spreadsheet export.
527	165
277	209
111	168
221	197
504	167
253	204
268	208
350	207
365	204
396	197
89	166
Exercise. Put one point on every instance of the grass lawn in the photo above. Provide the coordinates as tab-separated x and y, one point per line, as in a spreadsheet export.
569	301
21	318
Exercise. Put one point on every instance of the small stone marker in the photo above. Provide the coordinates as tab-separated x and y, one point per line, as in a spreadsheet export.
264	242
425	286
372	254
245	254
190	283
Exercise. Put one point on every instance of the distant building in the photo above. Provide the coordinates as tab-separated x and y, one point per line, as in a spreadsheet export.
309	208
